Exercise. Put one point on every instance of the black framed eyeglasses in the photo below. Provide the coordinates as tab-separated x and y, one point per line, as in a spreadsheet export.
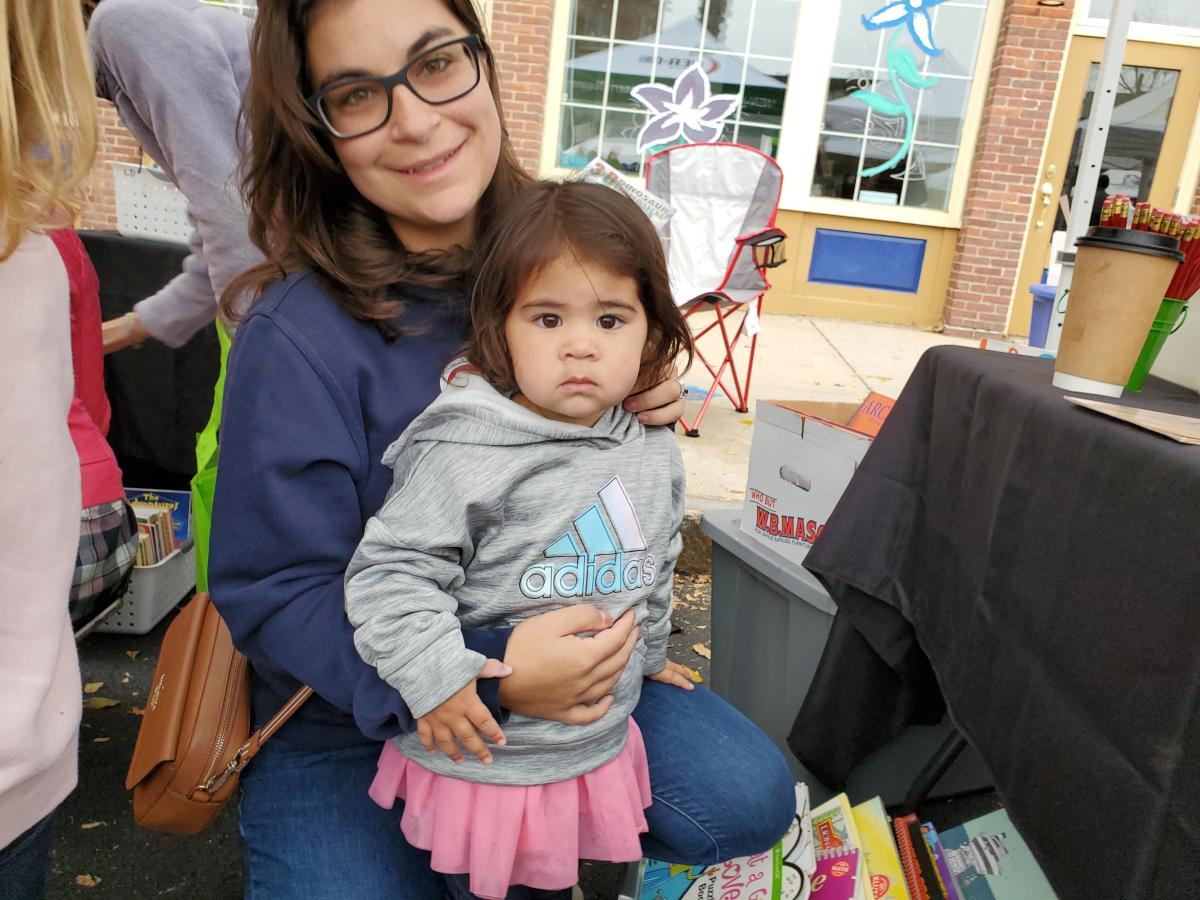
357	106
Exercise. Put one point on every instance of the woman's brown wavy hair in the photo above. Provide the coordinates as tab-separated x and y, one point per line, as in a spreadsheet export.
304	212
595	224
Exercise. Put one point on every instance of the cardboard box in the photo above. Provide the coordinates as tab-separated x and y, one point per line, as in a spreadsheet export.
802	456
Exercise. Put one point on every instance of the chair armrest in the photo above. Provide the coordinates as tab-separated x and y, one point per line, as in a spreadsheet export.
767	246
762	237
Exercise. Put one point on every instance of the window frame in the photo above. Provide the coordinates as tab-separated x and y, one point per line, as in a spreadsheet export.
812	56
1097	26
1176	36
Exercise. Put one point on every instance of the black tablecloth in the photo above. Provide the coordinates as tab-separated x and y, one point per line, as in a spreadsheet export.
1042	559
161	398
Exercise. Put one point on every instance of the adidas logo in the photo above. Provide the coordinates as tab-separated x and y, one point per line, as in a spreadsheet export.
597	549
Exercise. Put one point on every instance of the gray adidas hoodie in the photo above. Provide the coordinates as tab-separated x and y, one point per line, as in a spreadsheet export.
496	515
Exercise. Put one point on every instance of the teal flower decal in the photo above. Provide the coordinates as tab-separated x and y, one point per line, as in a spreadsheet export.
902	69
914	14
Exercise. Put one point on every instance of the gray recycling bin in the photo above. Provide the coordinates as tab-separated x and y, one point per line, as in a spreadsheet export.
770	621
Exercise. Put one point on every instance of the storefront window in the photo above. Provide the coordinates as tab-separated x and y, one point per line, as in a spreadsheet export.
896	99
742	46
1176	13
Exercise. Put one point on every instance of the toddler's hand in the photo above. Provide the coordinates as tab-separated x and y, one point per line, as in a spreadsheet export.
462	719
674	673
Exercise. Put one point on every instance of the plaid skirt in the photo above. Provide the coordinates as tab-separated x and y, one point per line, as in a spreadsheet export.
107	543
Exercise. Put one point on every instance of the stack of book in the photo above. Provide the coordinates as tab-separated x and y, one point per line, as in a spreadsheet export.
843	852
163	522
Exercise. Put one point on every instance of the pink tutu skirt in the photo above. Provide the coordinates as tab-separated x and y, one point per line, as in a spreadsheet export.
505	835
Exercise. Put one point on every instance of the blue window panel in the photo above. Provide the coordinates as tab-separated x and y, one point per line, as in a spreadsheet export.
877	261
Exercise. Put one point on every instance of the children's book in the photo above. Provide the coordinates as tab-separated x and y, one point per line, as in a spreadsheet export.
784	872
599	172
988	860
178	503
871	414
918	873
945	882
834	831
883	862
837	876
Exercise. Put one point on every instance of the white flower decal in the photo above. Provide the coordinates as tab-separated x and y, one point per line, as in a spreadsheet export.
912	13
685	109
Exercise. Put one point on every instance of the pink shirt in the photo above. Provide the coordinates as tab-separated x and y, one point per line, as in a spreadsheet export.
39	538
90	412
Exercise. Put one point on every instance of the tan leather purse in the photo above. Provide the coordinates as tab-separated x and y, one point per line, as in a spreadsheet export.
194	738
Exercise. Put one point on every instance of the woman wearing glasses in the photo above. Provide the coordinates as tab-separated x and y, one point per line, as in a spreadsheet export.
378	159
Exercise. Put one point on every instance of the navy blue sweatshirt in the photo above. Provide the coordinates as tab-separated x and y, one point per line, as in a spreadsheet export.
313	397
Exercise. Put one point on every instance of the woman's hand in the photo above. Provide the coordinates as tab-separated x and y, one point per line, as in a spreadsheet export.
556	674
126	331
659	405
674	673
462	719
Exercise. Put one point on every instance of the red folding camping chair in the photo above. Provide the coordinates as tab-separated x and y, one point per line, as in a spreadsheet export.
719	244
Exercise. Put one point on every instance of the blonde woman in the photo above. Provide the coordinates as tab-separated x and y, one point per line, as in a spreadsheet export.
47	139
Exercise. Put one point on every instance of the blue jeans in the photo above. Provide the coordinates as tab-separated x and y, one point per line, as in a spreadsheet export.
720	787
23	863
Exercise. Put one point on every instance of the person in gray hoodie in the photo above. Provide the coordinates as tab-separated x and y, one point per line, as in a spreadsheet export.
525	487
177	70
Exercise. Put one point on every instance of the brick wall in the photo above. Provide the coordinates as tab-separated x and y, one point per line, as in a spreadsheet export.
520	38
115	145
1004	173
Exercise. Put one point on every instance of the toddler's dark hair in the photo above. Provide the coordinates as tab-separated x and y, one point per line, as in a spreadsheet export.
598	225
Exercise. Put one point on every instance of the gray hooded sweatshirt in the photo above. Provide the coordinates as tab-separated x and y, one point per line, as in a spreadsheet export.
496	515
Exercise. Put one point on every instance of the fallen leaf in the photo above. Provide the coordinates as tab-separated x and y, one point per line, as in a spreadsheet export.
125	680
101	740
88	826
702	650
133	654
92	686
100	703
692	674
138	710
745	421
690	598
88	881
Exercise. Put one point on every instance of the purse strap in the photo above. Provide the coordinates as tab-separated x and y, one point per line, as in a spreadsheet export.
255	742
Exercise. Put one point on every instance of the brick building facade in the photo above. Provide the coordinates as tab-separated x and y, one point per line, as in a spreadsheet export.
977	258
1004	177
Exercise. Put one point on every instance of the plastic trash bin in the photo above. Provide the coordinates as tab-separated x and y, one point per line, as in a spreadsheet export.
1043	310
770	621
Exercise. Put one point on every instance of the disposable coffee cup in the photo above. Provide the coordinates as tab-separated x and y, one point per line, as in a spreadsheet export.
1119	280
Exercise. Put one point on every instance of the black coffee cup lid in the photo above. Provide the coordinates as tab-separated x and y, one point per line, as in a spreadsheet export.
1135	241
